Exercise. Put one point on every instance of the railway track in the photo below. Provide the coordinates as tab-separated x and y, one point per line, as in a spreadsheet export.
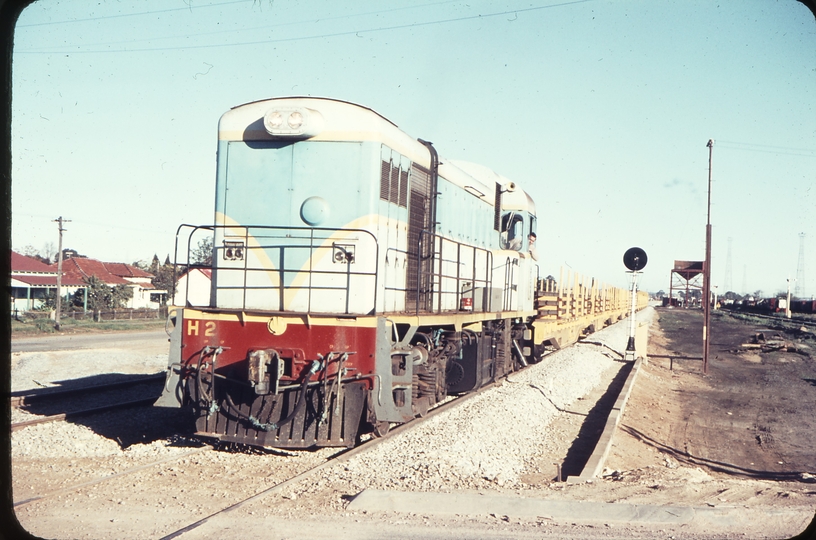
784	321
26	397
75	487
340	457
199	488
38	402
75	414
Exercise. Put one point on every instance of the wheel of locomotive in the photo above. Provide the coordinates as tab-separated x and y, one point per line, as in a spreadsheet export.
421	406
454	373
381	428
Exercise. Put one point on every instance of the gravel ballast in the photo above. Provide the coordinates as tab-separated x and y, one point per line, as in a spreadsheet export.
493	441
497	436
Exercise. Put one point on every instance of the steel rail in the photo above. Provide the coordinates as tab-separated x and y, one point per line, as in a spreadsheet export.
339	457
803	321
74	414
132	470
23	397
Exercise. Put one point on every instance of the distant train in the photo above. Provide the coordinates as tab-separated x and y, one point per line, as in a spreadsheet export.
773	305
357	280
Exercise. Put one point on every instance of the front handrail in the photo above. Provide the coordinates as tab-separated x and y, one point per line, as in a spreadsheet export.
279	246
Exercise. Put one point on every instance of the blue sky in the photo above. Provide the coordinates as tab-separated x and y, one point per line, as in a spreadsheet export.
601	110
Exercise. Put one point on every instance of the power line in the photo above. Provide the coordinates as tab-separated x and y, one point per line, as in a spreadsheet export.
246	30
318	36
769	149
139	14
85	222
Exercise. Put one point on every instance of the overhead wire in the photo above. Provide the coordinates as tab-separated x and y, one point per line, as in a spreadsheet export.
246	30
768	149
138	14
311	37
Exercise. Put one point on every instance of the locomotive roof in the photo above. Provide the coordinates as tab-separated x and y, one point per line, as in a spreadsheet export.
514	198
347	121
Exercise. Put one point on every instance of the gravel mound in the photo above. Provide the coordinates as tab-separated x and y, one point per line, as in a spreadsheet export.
495	437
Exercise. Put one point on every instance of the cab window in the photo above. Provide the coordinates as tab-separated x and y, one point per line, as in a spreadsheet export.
512	235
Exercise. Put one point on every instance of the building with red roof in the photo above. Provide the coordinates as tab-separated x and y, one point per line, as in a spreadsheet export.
145	294
32	280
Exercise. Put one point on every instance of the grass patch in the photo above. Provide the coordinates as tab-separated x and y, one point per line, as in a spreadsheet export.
45	326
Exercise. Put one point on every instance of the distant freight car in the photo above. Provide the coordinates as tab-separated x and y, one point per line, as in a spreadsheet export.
803	306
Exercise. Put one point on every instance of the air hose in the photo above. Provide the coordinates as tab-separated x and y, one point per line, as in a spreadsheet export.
271	426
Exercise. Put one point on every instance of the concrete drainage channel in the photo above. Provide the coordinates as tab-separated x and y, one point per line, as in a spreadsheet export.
595	465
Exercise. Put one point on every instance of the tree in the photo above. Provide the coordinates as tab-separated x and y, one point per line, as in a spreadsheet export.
49	253
102	296
49	300
164	278
31	251
202	254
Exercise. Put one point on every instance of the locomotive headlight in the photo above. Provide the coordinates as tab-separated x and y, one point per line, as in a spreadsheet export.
273	120
293	122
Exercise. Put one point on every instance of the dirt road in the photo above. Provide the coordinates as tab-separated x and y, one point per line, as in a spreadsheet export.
67	342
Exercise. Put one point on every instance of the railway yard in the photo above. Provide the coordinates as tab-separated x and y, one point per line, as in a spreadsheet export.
725	454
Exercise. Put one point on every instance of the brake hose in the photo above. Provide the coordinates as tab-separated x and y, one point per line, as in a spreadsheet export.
271	426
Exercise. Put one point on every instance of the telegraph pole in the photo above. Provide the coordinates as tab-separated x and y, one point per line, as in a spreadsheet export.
707	268
59	273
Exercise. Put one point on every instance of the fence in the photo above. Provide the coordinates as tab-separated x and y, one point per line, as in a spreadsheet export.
123	314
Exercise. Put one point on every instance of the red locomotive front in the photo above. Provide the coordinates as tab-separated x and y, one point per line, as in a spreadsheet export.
277	381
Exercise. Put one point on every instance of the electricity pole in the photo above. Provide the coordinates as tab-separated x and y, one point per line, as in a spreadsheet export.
59	273
707	268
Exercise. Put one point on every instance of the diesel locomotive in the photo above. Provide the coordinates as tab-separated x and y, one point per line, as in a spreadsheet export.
357	279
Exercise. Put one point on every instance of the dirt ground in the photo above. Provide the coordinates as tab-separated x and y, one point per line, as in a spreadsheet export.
753	415
740	435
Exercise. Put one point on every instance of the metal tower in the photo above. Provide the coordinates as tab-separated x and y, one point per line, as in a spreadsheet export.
799	288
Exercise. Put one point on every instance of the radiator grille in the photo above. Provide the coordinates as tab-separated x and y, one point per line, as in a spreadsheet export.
385	183
418	278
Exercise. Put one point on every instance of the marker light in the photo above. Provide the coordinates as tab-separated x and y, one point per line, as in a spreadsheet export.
293	122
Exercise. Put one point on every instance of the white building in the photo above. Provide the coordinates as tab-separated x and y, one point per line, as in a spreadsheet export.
193	288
